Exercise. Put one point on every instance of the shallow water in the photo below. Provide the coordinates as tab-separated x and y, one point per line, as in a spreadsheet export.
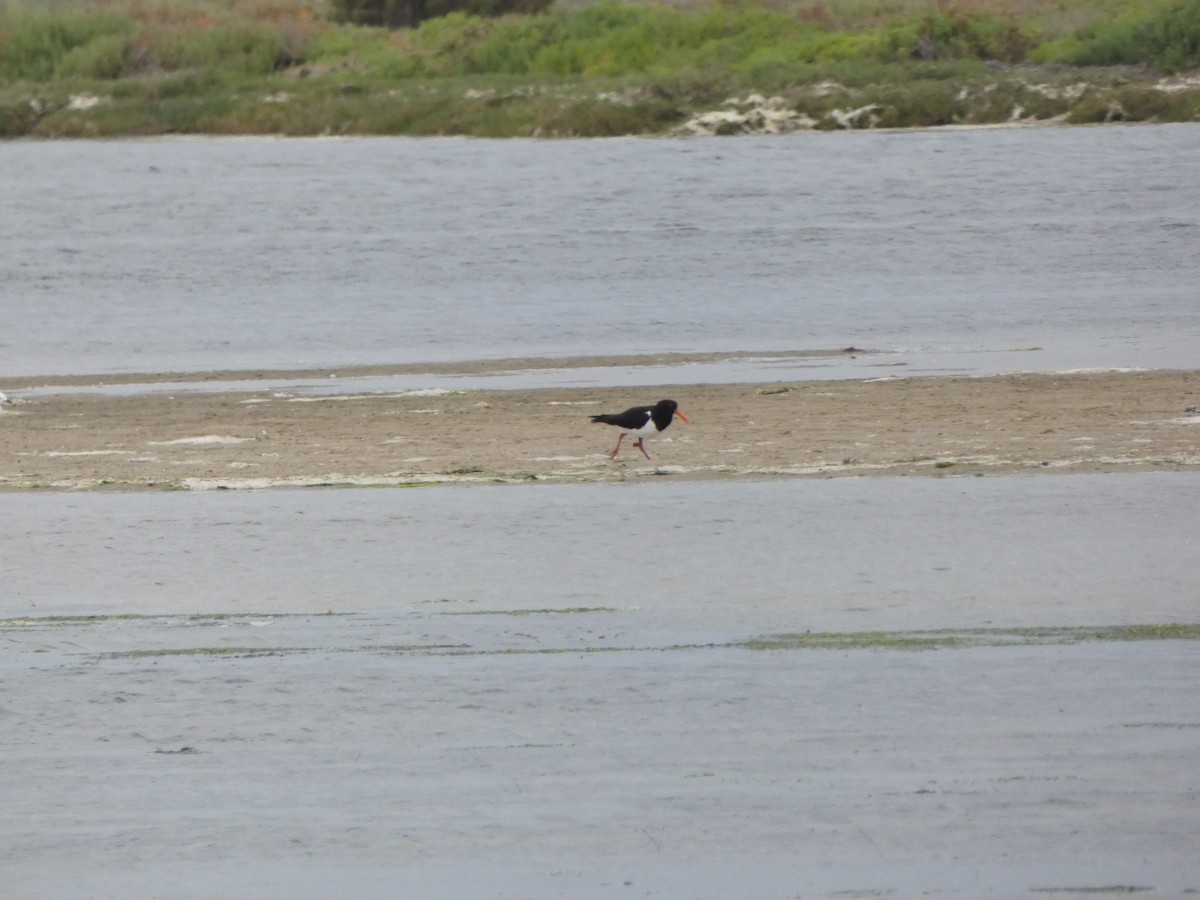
459	725
909	363
741	557
232	253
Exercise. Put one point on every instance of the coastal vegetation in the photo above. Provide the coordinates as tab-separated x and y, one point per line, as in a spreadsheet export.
499	68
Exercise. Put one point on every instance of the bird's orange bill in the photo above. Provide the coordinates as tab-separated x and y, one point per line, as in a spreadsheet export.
682	416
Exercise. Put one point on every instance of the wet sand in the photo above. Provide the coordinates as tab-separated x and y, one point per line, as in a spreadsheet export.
1085	422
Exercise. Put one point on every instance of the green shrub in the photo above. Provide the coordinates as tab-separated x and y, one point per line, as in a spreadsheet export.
702	85
1166	36
105	58
917	104
31	46
1092	107
512	46
183	84
1173	37
1135	103
488	9
386	13
248	48
612	39
450	40
953	32
17	118
411	13
597	118
357	47
998	102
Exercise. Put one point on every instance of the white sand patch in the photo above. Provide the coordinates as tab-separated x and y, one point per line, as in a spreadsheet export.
1185	420
1182	459
753	114
376	395
1178	83
258	484
82	102
203	440
1100	370
61	453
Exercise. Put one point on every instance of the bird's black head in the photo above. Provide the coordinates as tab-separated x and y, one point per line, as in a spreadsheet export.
664	411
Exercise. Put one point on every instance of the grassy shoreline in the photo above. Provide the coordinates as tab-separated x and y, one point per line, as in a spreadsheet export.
222	67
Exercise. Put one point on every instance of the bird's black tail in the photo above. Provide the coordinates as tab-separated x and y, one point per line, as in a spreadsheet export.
604	418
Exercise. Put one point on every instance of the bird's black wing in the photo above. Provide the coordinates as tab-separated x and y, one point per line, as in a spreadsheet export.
631	418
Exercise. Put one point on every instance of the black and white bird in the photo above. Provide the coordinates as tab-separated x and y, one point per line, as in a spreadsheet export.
642	422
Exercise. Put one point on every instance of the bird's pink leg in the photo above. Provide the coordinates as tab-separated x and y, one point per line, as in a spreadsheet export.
620	438
642	448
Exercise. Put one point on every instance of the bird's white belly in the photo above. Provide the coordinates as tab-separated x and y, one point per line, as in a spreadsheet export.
647	430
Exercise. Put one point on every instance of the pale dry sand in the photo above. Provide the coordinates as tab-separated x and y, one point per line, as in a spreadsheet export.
1109	421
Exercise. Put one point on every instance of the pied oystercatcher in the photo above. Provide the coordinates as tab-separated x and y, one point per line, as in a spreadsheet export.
642	421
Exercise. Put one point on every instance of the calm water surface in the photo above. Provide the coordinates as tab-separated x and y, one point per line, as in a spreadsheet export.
234	253
675	561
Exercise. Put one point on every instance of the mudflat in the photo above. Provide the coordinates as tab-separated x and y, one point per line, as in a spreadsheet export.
159	439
